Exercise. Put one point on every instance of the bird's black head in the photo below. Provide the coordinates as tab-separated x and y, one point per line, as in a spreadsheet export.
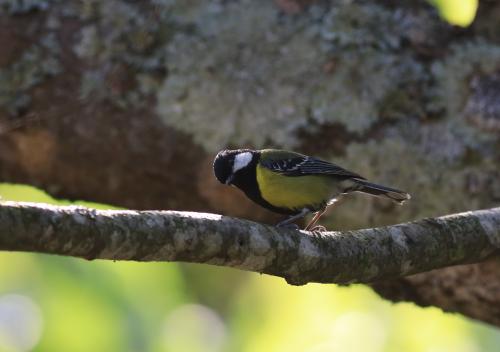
229	162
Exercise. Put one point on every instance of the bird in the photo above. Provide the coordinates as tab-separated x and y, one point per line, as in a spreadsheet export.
293	184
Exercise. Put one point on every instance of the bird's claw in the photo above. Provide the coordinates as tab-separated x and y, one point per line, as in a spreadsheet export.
318	228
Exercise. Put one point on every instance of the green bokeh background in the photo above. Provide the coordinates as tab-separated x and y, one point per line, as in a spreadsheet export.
77	305
457	12
50	303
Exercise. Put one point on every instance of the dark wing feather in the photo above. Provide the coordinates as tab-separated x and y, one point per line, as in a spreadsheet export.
306	165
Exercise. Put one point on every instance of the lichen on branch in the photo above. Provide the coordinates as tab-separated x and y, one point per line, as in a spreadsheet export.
300	257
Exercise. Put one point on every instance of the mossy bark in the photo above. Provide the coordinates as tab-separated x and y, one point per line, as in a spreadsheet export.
126	102
365	256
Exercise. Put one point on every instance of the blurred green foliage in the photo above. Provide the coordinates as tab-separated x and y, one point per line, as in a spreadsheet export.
457	12
50	303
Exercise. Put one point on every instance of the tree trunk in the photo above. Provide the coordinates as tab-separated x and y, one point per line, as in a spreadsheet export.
126	103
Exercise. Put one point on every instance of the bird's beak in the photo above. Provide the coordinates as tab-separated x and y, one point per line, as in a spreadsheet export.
229	179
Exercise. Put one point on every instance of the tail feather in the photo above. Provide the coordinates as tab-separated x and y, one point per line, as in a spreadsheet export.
378	190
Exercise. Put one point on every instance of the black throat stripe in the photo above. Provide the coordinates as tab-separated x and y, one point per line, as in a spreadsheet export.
246	180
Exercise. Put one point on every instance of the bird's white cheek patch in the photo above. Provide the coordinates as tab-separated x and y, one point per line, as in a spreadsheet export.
241	160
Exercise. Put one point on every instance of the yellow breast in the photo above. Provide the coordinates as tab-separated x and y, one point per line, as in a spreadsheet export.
294	192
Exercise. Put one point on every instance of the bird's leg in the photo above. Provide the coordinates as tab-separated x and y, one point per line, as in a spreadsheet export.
319	214
292	218
315	220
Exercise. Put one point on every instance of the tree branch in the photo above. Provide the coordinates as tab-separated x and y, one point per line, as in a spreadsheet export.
300	257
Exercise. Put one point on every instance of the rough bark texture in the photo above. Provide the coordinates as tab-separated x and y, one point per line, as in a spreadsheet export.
126	103
300	257
472	290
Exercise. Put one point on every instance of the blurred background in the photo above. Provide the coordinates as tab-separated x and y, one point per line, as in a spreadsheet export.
123	104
